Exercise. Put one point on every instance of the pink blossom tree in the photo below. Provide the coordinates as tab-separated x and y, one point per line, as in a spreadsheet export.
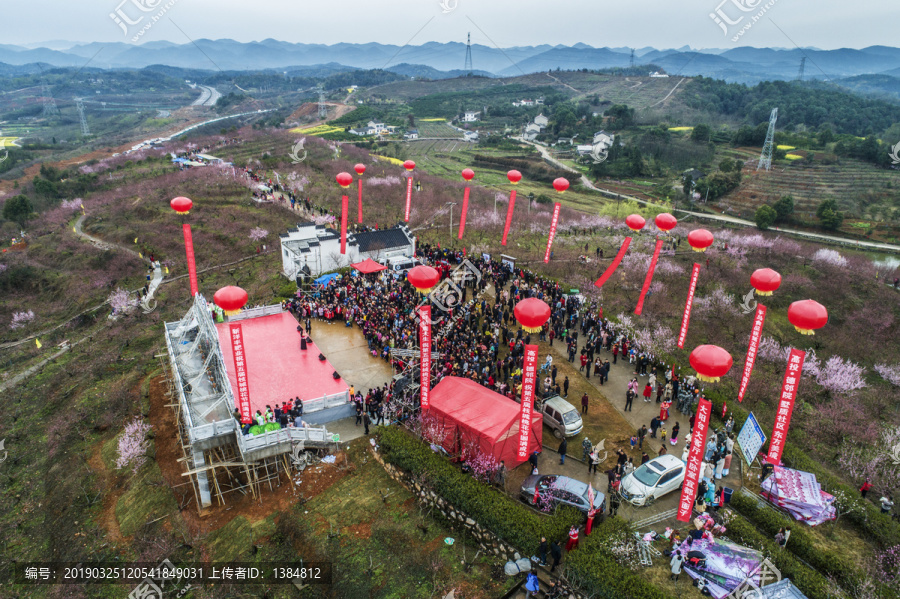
133	445
121	301
21	319
258	234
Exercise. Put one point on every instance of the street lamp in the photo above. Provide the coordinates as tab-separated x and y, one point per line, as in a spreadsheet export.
451	204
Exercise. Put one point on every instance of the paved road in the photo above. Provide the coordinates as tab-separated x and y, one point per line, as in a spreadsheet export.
208	96
545	154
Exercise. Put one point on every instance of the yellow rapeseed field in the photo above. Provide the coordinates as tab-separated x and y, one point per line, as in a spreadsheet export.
681	129
318	130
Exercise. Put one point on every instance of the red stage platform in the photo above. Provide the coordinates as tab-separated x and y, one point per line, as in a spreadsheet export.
277	369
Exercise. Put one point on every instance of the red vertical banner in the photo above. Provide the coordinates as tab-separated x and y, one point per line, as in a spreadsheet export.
462	218
509	215
755	335
694	461
529	373
786	405
686	319
409	182
614	264
649	279
359	205
191	264
425	357
553	222
345	208
240	367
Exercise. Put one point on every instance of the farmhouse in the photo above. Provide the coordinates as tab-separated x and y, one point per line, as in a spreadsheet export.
411	134
470	116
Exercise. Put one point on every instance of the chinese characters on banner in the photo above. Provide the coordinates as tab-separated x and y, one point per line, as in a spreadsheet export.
465	210
686	319
345	207
509	214
359	205
755	336
240	367
408	196
553	224
649	279
529	373
425	351
192	266
614	264
694	461
786	404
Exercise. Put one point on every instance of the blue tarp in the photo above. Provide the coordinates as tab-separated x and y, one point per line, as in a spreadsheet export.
326	279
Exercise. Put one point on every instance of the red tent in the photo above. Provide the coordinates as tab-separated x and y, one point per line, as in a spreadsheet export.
368	266
473	415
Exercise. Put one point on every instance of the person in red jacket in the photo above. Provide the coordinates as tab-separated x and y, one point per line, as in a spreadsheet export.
572	543
864	489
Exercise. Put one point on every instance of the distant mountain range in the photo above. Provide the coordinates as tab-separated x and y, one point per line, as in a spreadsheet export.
442	60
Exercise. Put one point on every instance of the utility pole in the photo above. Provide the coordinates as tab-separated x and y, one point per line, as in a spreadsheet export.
765	159
451	204
468	66
79	104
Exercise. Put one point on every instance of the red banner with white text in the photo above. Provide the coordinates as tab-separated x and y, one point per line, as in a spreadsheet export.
614	264
553	222
425	355
509	215
465	210
755	335
529	374
359	204
786	405
649	279
191	264
409	183
686	319
240	367
694	461
345	208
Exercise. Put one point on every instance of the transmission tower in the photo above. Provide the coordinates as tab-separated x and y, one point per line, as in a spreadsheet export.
79	104
802	68
50	108
765	159
632	58
323	107
468	67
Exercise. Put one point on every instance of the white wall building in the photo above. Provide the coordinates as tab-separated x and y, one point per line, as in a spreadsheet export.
541	121
470	116
319	248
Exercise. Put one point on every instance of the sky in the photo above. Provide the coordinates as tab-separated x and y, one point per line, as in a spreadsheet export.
662	24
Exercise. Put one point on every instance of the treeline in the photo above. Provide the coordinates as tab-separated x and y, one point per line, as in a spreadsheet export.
535	171
812	105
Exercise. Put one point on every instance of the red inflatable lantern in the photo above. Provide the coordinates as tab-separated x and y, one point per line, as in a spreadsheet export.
700	239
409	165
344	179
561	184
181	205
711	362
765	281
468	174
635	222
514	177
666	222
423	278
360	168
231	299
807	316
532	313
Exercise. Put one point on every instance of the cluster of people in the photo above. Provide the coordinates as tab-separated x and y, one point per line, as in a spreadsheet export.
288	414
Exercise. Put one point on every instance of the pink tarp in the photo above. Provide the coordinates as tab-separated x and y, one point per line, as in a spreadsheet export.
800	494
471	415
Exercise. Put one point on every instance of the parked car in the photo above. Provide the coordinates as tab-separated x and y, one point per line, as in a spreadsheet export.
561	490
400	264
653	480
562	417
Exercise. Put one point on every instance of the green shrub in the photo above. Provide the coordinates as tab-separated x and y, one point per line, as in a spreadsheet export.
510	520
597	573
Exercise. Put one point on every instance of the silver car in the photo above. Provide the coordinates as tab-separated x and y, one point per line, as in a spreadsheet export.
652	480
561	490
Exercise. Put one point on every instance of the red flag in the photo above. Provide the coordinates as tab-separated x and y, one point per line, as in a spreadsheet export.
786	405
724	407
553	224
345	207
189	251
409	182
462	218
240	368
694	461
529	373
614	264
755	336
649	279
686	319
425	357
509	215
359	206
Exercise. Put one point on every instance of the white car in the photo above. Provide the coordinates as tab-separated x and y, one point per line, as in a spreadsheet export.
653	480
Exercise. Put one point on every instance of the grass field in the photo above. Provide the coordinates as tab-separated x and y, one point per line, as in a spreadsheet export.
7	141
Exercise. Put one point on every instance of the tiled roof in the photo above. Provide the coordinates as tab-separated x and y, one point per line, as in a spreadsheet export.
385	239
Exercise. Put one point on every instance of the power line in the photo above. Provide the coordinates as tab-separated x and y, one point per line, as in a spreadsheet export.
765	159
468	66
